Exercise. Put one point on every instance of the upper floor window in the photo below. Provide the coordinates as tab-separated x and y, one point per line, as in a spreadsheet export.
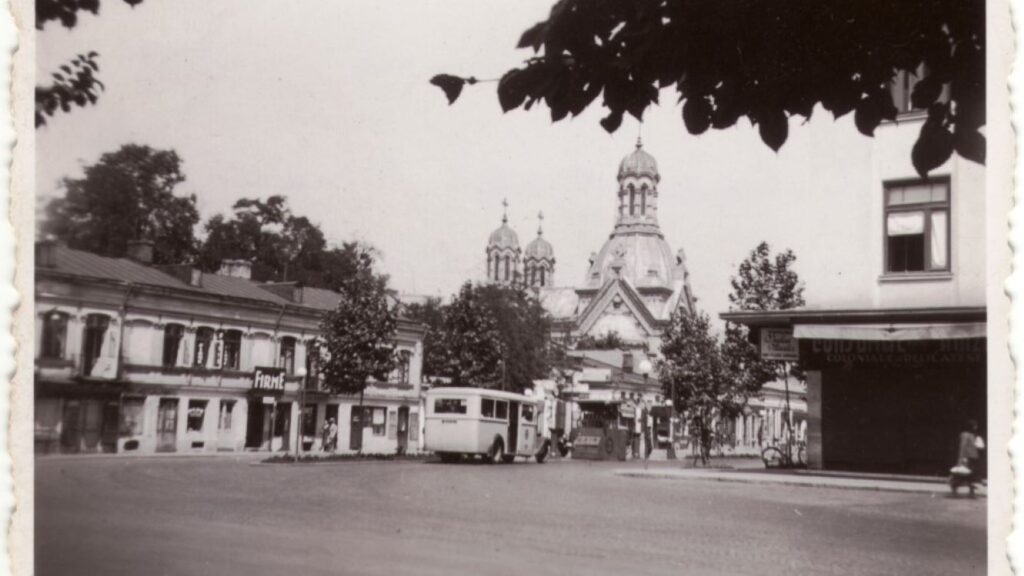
204	340
95	338
55	335
401	372
287	355
917	226
232	349
312	364
902	89
173	335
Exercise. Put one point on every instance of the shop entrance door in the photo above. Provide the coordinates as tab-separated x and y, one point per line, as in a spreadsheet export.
282	427
71	432
355	433
403	429
513	428
167	425
108	426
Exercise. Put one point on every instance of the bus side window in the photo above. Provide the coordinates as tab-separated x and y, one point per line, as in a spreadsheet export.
527	413
502	410
487	408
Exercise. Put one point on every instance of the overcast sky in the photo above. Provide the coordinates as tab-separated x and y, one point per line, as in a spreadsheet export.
329	104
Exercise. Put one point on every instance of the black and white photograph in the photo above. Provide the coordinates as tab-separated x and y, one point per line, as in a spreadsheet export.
454	287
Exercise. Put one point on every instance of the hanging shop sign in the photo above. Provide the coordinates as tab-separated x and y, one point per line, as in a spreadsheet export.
779	344
268	380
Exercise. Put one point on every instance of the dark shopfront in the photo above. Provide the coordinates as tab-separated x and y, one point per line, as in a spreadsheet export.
269	418
892	406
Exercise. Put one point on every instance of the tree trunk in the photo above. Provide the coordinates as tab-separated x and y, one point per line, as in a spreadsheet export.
362	415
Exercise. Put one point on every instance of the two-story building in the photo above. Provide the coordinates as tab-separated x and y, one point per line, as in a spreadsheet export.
896	356
132	357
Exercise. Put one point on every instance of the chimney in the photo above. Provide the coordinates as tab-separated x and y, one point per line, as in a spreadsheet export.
184	272
46	254
236	269
141	251
627	362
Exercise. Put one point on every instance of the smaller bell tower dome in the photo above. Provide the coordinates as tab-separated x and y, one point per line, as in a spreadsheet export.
539	262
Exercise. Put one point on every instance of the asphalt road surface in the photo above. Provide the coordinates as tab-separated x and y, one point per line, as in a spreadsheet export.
225	515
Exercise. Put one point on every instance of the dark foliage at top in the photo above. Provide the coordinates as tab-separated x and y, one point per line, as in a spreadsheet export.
763	60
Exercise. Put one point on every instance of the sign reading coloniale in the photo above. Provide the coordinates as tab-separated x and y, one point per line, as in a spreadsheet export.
266	379
779	344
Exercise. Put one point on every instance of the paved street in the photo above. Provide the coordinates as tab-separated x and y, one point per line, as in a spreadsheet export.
224	515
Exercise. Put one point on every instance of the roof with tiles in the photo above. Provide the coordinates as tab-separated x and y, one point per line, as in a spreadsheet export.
87	264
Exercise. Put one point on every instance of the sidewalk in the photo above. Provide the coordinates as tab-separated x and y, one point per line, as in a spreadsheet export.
808	478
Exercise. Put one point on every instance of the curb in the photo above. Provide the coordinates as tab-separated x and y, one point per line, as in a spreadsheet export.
938	489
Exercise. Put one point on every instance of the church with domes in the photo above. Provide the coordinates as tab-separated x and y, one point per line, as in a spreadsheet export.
634	283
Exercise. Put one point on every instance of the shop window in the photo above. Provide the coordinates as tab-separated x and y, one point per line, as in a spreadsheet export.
173	336
196	414
232	349
227	408
96	326
377	420
132	416
450	406
917	227
204	340
286	357
55	335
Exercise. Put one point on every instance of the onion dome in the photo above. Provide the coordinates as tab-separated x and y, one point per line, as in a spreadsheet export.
639	163
504	237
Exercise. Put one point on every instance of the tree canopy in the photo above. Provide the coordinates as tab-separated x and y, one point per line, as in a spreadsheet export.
763	60
358	336
282	246
430	314
494	336
705	383
127	195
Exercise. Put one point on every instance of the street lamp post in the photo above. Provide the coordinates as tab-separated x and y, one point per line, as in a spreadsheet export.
302	412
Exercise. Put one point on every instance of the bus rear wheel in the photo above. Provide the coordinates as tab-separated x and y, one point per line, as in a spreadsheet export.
497	452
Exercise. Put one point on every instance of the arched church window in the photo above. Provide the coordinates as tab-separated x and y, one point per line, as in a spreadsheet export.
542	270
508	273
643	201
632	201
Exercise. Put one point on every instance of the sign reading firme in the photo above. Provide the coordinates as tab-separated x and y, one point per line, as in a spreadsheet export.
266	379
779	344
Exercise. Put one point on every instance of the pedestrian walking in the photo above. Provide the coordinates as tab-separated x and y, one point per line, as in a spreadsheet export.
333	435
968	468
325	435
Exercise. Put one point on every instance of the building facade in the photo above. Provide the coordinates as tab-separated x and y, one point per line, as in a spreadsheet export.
136	358
895	357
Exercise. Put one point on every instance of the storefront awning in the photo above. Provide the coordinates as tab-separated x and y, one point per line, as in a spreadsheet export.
890	332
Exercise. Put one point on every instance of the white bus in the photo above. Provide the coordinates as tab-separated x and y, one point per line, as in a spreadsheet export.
479	422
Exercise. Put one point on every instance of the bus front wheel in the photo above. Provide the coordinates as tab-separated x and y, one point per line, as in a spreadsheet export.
543	454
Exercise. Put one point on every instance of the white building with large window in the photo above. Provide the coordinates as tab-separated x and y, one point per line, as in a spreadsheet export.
136	358
895	357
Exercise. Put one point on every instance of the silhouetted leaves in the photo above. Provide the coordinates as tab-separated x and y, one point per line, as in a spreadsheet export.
774	129
761	59
933	147
451	85
77	86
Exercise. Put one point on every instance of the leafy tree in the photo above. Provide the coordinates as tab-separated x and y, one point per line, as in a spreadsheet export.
706	386
763	60
494	336
283	247
358	336
75	84
127	195
762	282
431	314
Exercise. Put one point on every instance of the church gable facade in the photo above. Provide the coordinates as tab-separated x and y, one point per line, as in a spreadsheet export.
634	283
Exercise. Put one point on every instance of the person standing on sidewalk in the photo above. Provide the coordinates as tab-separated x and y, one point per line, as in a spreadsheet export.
969	453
